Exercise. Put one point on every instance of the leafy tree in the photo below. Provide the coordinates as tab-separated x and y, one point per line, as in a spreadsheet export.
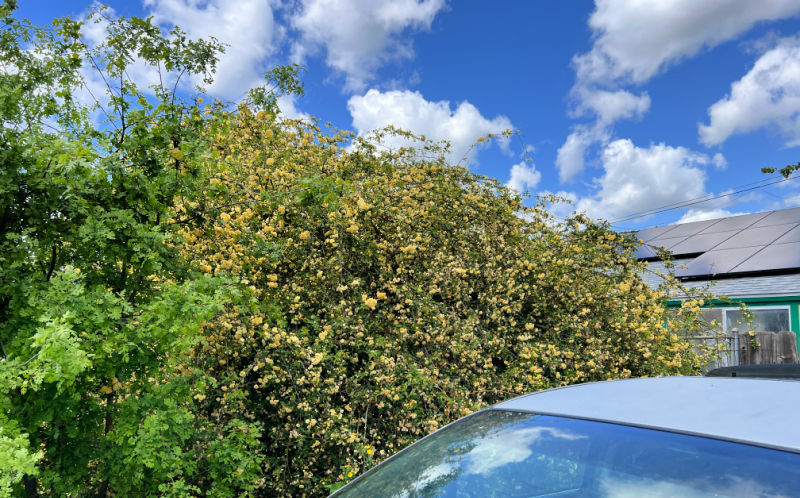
396	293
97	306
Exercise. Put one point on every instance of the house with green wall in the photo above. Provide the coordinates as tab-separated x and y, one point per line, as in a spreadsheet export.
752	259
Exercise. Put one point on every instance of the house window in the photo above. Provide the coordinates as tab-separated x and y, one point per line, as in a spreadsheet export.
770	319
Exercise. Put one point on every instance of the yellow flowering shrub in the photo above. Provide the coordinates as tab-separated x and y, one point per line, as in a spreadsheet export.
393	293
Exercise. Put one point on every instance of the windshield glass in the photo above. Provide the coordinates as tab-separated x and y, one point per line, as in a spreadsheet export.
511	454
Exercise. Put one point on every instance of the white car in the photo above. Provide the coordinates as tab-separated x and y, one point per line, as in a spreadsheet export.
652	437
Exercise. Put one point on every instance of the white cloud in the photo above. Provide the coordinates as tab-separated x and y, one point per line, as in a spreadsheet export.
288	107
768	95
638	179
523	177
719	161
607	107
570	157
436	120
792	201
707	214
246	26
503	448
612	106
629	486
636	40
360	35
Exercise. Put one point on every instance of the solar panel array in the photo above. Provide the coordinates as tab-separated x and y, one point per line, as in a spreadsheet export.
749	243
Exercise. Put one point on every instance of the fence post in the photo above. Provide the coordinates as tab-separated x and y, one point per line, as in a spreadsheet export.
745	349
768	351
787	347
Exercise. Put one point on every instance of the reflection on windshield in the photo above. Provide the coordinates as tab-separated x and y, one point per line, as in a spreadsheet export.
500	453
500	447
637	488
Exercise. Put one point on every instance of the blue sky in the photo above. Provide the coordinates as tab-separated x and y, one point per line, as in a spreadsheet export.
627	107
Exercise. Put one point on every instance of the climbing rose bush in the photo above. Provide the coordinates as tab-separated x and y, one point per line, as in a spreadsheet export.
393	293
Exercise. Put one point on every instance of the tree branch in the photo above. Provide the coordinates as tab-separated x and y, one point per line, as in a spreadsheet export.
53	257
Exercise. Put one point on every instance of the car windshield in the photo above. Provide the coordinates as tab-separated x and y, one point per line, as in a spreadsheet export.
510	454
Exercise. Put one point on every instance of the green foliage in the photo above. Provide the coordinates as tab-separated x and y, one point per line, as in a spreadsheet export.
16	457
97	306
282	80
786	171
199	301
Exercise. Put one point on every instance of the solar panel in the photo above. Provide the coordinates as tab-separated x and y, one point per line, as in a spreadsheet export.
652	233
781	217
666	242
792	235
740	244
735	222
717	261
687	229
701	243
750	237
774	257
645	252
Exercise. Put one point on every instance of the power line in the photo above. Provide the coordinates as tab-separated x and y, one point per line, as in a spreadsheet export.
700	200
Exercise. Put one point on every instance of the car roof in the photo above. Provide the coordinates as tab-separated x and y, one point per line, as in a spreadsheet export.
755	411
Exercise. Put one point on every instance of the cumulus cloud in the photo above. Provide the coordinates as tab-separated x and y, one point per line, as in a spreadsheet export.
707	214
524	177
571	154
247	27
436	120
638	179
719	161
607	107
288	108
359	36
611	106
634	41
768	95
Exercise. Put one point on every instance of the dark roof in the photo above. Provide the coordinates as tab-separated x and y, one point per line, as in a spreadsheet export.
749	244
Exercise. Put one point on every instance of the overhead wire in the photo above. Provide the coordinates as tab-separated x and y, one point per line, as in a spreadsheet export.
699	200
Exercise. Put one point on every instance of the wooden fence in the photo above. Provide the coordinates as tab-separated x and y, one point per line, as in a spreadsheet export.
768	347
757	349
